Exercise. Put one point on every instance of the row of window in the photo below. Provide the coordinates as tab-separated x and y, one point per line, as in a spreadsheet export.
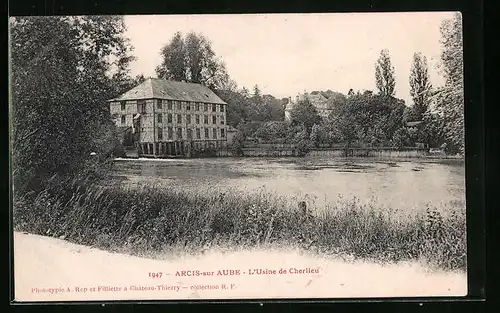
188	119
159	117
195	106
170	133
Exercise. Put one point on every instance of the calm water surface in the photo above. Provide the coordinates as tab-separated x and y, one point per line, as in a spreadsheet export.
393	183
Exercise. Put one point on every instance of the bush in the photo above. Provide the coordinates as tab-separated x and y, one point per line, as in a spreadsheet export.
401	138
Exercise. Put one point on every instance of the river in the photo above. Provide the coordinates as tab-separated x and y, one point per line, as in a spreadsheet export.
414	183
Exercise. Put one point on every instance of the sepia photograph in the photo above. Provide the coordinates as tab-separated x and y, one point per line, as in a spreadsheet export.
237	156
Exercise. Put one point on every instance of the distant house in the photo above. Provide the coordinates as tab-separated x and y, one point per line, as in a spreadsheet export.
414	125
317	99
288	108
169	118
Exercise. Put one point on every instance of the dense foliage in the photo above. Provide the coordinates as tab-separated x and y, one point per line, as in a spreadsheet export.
384	74
191	58
304	113
367	118
449	99
63	70
420	86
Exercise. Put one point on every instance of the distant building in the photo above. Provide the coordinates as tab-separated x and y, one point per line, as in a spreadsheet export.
288	109
165	117
319	101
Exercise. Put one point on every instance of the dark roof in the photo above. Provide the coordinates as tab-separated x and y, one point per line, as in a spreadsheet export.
411	124
170	90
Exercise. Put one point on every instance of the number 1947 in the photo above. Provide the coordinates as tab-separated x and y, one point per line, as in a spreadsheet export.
155	275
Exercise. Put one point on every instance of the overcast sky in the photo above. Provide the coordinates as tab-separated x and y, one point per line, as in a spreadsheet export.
289	53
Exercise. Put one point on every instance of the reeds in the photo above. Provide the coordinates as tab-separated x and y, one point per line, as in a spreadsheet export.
153	218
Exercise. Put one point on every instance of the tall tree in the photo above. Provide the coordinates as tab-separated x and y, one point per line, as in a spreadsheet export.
449	99
384	74
366	118
173	64
420	85
197	53
305	113
62	74
192	59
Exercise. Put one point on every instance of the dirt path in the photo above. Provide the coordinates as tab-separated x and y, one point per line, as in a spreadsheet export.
49	269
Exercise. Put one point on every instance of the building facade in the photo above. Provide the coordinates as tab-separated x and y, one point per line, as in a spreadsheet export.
319	101
165	118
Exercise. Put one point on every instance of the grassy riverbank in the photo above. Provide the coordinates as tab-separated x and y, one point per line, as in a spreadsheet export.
151	219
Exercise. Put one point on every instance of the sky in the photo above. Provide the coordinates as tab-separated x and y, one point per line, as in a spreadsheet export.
285	54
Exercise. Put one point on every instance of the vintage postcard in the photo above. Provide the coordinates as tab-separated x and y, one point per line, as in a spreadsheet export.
238	156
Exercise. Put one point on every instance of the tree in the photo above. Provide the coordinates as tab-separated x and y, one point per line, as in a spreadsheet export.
63	70
335	99
420	85
401	138
192	59
314	137
302	141
139	79
384	74
366	118
174	63
198	53
449	99
431	130
236	106
272	131
238	143
452	50
305	113
270	108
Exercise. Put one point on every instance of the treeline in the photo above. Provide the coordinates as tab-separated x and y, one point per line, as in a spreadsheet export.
363	119
366	118
435	119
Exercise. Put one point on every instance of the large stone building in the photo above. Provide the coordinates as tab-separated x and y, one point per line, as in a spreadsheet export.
319	101
164	118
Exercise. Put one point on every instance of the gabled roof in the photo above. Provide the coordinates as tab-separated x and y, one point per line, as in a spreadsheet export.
170	90
316	97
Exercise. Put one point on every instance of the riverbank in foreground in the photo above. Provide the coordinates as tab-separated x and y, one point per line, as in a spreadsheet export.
151	218
51	269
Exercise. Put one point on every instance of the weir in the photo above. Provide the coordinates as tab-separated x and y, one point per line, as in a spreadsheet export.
188	149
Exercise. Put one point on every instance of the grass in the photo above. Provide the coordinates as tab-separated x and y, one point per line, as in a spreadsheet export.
148	219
